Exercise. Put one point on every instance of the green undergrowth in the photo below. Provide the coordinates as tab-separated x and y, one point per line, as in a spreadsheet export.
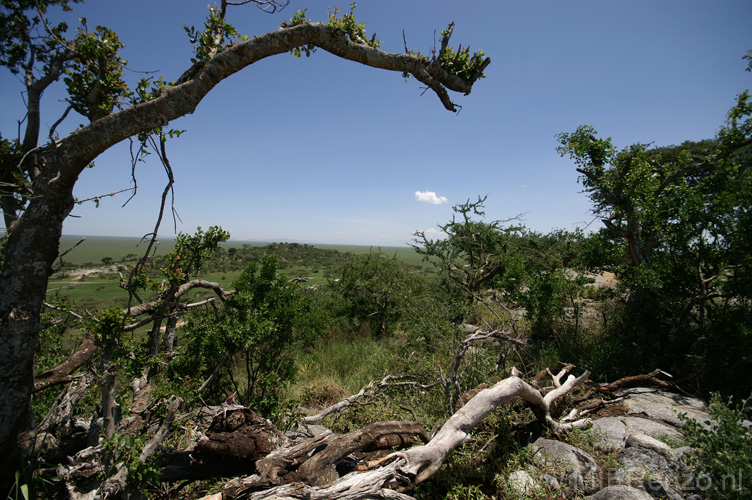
723	457
338	366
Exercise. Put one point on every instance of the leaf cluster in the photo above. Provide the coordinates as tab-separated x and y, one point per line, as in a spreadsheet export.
127	450
462	63
216	36
94	79
106	326
356	32
297	19
724	448
190	253
26	38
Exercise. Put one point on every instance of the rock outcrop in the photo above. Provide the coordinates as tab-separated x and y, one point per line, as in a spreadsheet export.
642	439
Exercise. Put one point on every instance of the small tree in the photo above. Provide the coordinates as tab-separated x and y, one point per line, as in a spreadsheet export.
552	286
679	218
375	290
180	272
474	256
252	340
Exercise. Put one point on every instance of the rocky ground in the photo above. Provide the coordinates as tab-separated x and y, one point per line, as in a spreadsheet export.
640	436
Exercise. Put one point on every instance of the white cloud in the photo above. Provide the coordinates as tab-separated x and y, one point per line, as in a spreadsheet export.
432	234
430	197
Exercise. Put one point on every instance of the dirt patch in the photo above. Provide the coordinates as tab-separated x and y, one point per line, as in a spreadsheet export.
613	410
77	274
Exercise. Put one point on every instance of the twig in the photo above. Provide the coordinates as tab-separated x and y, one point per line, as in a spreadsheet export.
96	198
66	253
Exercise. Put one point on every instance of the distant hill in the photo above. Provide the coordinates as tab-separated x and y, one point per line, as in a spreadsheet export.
93	249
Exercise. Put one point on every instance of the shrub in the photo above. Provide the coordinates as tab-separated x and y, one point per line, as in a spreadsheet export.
724	450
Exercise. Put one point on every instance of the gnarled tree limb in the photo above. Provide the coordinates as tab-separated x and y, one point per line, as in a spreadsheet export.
62	372
401	471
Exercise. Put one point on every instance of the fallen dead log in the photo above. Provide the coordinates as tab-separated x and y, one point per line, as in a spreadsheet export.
319	470
59	434
400	471
646	379
88	475
237	438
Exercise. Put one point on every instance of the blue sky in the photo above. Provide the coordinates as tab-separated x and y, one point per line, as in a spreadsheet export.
324	150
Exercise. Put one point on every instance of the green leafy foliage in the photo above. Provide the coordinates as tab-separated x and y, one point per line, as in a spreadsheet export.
723	459
216	36
675	234
474	256
127	450
182	264
25	32
95	77
255	333
107	328
553	302
190	253
375	290
550	283
356	32
297	19
460	62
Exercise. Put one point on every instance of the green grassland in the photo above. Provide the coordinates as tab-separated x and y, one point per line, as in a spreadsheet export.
94	248
100	288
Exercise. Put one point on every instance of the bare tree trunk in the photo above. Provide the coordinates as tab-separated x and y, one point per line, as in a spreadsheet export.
169	334
30	251
108	400
154	338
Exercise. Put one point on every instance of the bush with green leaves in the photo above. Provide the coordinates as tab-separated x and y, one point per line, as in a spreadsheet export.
723	458
249	344
555	292
475	256
375	291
